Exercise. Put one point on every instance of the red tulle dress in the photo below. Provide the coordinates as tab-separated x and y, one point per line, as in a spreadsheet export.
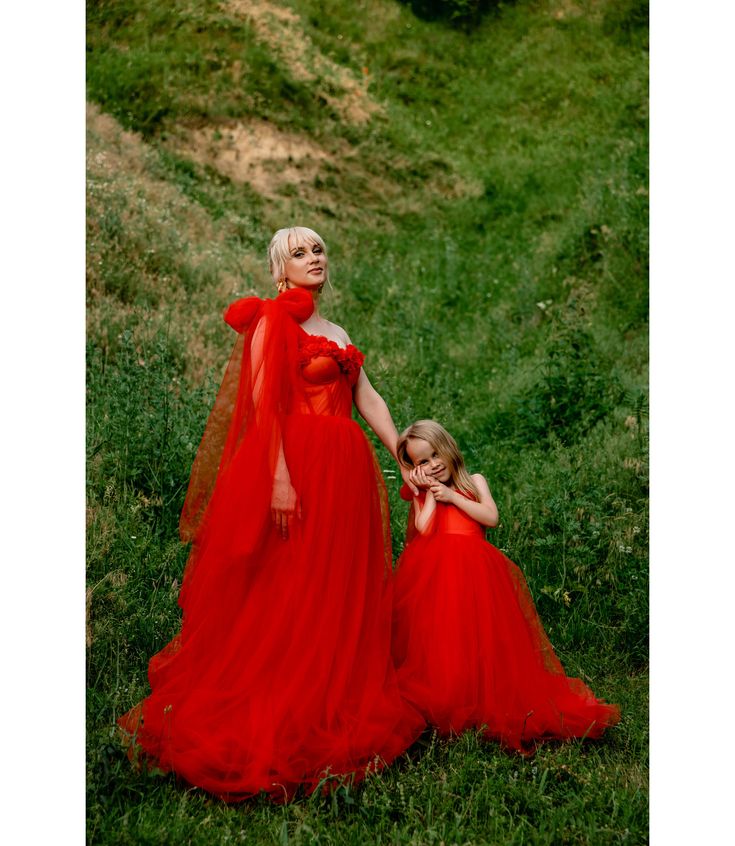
470	649
281	673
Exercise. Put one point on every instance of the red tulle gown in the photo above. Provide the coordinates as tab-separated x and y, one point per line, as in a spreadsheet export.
469	647
282	672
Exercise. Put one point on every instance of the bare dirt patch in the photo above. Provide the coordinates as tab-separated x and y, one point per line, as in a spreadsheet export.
282	30
258	153
121	163
182	265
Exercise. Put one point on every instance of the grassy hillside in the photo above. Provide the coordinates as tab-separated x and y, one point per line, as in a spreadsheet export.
483	194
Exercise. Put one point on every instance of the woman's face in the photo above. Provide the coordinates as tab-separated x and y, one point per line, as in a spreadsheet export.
307	267
423	455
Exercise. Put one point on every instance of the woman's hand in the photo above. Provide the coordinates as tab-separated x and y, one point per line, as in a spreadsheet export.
440	492
284	506
418	478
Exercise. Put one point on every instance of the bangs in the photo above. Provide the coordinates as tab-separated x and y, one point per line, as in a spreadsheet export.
279	251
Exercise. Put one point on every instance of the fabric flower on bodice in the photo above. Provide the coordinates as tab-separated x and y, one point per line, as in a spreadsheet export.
348	358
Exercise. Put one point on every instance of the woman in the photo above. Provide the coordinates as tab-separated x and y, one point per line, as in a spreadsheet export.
281	674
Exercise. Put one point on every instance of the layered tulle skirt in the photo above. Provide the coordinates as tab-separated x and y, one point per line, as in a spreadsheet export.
282	672
471	652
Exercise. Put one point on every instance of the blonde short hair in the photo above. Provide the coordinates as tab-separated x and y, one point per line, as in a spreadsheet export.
279	249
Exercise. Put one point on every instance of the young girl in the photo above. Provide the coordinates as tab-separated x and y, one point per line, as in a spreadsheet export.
468	645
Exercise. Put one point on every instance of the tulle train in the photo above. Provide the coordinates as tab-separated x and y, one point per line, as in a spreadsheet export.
471	652
282	671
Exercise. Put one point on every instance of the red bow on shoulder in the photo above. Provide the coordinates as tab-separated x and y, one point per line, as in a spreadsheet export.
296	302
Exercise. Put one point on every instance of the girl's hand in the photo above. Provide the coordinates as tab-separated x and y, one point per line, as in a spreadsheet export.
419	478
440	492
284	506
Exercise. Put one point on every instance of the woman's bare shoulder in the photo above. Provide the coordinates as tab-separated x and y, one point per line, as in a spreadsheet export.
337	331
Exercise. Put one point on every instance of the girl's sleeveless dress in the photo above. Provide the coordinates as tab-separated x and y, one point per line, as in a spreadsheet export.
281	674
470	649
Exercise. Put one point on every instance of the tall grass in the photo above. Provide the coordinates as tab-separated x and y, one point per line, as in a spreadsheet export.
487	234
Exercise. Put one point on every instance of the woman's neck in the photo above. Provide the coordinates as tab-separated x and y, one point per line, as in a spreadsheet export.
316	313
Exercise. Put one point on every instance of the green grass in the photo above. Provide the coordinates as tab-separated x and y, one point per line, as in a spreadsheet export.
442	792
488	240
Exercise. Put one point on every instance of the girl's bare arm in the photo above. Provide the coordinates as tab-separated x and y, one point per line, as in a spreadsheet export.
484	512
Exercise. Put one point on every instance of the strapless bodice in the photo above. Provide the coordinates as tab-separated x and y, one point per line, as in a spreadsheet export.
328	372
450	520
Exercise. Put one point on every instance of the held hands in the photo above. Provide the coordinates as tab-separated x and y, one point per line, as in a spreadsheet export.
422	481
417	479
285	506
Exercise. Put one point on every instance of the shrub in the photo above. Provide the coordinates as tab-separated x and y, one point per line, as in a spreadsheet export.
457	12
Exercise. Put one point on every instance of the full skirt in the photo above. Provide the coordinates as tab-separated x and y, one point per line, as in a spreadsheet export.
282	674
471	652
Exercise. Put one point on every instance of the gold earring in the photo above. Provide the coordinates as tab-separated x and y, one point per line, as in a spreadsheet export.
281	285
320	288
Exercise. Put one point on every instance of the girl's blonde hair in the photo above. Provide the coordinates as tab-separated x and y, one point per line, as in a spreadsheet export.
279	250
445	446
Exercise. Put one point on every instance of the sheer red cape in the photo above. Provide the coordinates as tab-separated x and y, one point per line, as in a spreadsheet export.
259	385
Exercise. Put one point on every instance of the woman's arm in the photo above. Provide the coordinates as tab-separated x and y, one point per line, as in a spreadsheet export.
375	413
284	501
484	512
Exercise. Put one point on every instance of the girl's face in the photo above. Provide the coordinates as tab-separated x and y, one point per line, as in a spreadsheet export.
423	455
307	266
